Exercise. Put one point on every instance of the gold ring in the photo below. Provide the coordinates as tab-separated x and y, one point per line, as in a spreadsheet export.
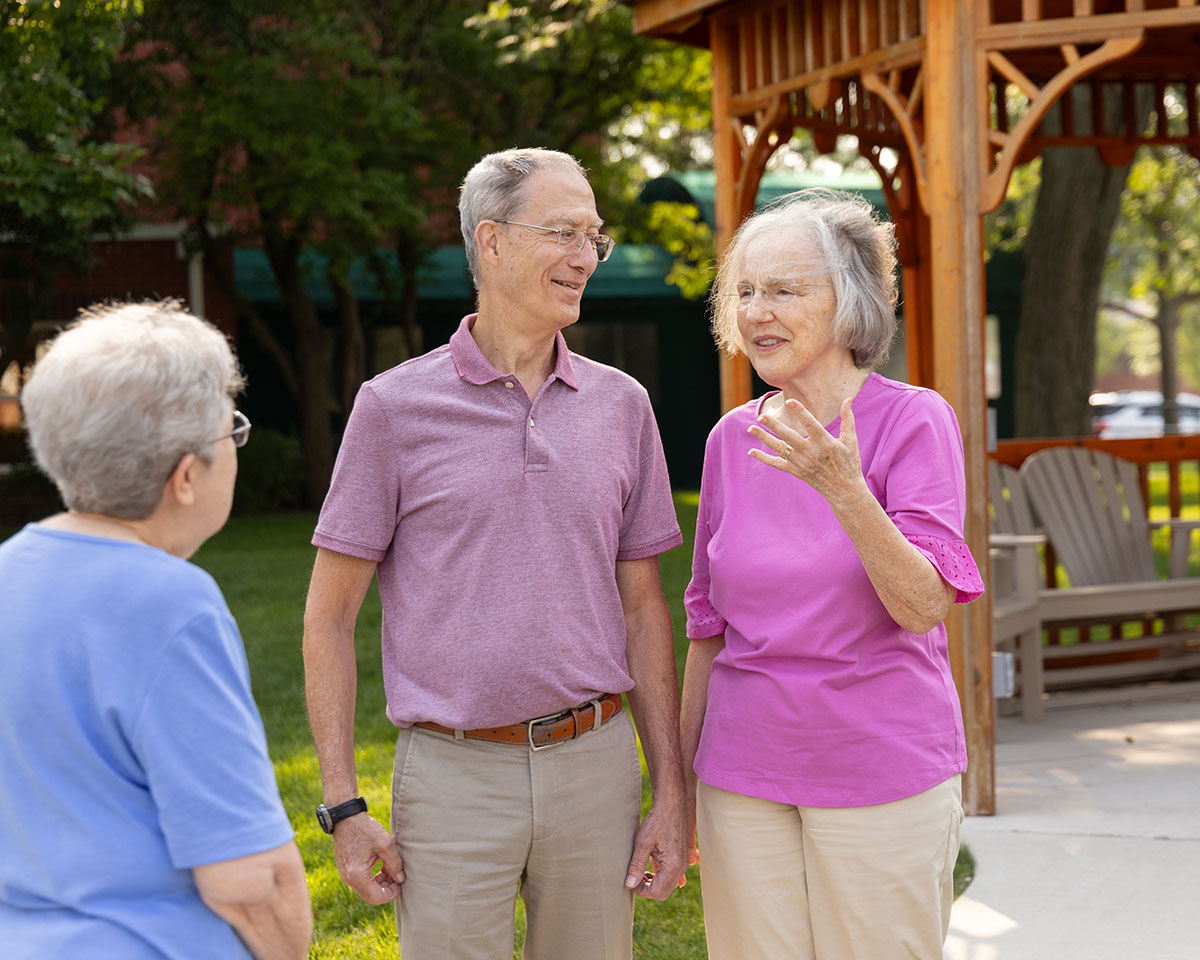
787	453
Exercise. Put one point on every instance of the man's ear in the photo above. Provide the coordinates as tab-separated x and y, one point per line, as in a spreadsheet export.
487	240
181	484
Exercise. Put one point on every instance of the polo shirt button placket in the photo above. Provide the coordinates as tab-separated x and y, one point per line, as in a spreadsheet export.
537	457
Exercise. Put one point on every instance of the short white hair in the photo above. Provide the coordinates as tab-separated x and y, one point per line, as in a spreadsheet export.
857	251
121	396
494	189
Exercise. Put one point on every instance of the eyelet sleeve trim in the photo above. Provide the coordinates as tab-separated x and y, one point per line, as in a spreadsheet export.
702	617
954	562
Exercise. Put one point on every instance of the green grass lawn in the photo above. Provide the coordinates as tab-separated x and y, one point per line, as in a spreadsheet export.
262	564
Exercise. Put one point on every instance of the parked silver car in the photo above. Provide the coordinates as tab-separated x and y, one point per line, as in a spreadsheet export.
1139	413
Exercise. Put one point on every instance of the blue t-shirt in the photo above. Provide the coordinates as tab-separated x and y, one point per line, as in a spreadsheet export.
130	751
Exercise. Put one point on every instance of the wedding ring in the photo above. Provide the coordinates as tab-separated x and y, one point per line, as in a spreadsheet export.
787	453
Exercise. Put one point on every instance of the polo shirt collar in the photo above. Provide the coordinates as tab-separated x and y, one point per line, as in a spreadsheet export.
473	366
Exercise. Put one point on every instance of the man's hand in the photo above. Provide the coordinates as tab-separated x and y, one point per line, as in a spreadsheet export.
361	843
659	859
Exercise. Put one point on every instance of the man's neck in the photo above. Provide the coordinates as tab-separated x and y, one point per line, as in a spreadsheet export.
528	356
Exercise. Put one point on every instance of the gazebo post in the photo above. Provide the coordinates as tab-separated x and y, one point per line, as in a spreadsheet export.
734	372
914	81
955	132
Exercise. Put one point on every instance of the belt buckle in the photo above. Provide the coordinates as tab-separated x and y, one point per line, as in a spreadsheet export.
529	724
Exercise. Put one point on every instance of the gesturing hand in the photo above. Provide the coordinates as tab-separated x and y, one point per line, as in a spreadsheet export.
800	445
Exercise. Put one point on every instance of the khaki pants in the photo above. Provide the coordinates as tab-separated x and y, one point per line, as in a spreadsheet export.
806	883
478	823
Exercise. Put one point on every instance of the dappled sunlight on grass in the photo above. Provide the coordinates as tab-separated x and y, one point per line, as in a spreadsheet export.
263	565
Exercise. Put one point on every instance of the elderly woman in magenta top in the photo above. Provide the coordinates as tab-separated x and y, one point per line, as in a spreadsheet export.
819	710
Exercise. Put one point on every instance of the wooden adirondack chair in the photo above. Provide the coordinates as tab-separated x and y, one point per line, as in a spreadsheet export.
1091	509
1016	583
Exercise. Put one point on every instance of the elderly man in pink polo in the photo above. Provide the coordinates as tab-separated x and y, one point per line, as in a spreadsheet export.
512	499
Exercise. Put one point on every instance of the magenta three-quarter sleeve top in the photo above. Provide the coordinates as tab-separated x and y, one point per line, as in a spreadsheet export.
819	698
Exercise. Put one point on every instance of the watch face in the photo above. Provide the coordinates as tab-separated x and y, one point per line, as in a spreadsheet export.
324	819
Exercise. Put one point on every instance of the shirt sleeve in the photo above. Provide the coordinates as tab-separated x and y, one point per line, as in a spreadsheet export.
703	620
200	741
648	523
924	487
360	512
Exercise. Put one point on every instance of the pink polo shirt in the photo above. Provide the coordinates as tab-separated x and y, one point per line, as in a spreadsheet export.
819	698
497	524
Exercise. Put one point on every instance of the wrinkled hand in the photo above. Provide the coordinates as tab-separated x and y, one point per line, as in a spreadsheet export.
360	843
800	445
658	861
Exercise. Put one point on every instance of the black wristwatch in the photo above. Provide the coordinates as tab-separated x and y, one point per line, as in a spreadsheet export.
330	817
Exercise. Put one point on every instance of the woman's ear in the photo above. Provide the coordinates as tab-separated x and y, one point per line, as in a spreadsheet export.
181	484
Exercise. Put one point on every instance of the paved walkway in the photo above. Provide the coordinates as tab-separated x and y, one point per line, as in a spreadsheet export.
1094	853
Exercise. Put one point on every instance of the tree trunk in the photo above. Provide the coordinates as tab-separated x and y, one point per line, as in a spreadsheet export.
312	369
351	347
245	311
409	258
1069	233
1073	218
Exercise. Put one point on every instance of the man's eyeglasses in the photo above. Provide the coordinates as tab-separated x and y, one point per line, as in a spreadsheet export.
572	239
241	430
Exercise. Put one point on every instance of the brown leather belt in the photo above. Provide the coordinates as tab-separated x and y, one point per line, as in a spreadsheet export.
542	732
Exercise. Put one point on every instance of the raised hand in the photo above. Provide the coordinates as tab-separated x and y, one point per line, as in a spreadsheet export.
800	445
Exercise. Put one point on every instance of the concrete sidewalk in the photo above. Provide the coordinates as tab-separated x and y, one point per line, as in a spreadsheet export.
1094	853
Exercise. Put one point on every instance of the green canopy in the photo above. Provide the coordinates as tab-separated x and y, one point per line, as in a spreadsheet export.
699	188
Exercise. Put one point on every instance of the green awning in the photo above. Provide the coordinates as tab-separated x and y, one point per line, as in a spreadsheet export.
634	271
699	187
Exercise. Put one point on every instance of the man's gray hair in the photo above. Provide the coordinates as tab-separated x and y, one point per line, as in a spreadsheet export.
857	250
118	399
494	189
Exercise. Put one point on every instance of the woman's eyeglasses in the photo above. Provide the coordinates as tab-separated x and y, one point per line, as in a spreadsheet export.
241	430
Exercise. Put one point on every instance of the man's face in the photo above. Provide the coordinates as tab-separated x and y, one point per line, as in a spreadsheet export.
537	276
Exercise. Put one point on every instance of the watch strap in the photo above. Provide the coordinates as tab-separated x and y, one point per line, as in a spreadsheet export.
339	812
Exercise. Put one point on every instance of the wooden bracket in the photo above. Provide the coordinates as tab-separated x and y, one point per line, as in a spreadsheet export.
1011	145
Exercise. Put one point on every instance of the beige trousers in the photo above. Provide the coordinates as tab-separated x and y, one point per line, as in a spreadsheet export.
807	883
480	823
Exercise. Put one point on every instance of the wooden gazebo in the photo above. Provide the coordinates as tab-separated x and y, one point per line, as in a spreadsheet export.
945	98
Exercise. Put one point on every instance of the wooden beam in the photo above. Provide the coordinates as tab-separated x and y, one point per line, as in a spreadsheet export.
668	16
1096	29
955	141
897	57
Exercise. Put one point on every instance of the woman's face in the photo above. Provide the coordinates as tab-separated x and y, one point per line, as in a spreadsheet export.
785	310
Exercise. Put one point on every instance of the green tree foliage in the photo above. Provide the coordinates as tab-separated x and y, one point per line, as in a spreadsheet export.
1153	269
294	131
346	127
571	75
1007	227
62	178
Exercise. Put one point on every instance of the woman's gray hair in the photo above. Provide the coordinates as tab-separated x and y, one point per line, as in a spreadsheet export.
494	189
118	399
858	253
